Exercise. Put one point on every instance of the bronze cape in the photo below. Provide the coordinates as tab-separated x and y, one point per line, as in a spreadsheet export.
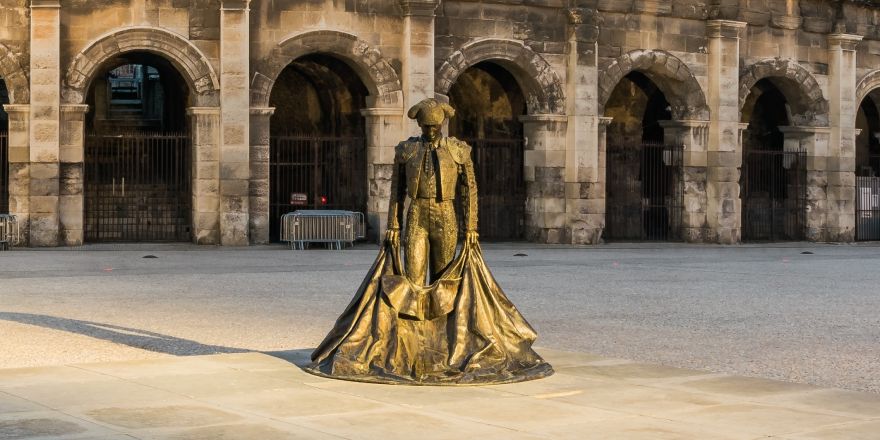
460	330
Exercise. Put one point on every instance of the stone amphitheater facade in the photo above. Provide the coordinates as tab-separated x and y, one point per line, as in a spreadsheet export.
567	56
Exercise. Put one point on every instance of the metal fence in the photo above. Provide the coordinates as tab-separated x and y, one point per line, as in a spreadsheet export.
867	208
498	164
645	192
774	193
10	234
316	172
137	187
4	172
322	226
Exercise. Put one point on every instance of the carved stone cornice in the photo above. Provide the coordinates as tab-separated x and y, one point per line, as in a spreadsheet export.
235	5
844	41
724	28
419	8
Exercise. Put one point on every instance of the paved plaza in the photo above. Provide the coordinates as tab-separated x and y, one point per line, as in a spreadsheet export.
649	341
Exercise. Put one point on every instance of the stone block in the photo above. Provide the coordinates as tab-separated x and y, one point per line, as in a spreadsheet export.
43	229
234	187
234	171
234	229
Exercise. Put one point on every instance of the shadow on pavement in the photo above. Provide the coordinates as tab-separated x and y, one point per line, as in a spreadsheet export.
131	337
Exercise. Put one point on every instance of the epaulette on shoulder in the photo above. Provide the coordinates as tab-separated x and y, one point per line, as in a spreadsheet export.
460	150
407	149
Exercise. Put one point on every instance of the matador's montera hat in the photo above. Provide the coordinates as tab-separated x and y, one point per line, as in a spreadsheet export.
431	112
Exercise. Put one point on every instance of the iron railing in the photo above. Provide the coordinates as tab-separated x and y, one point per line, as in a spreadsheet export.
322	226
316	172
138	187
867	208
498	165
645	192
774	193
4	172
10	233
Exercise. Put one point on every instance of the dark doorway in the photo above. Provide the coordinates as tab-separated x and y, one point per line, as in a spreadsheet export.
138	153
317	154
488	103
4	150
773	180
644	184
868	170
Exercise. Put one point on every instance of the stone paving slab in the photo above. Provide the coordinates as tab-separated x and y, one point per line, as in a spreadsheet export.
267	396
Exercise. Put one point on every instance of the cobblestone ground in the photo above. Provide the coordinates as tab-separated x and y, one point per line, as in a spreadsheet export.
801	313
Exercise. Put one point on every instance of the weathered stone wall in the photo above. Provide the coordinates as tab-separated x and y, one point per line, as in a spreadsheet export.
566	56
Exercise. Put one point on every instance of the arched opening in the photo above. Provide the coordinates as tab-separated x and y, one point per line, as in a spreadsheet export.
773	178
488	103
137	152
4	149
643	175
317	153
868	169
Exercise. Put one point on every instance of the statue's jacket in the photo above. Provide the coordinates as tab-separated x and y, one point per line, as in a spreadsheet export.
455	169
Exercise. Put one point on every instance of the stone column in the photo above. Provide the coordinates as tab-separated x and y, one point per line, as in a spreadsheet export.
45	69
584	190
383	133
235	122
205	128
815	141
544	174
841	163
19	166
71	204
417	52
258	202
693	136
724	152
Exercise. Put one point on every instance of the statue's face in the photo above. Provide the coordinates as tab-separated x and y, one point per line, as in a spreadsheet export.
431	132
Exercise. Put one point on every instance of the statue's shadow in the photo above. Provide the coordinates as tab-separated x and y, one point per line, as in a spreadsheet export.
144	340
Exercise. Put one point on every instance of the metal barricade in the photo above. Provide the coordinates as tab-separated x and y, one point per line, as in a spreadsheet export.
322	226
9	232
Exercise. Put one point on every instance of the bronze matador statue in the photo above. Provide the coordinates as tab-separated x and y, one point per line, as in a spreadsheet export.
459	328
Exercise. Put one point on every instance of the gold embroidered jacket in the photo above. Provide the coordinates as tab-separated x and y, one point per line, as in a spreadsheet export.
455	167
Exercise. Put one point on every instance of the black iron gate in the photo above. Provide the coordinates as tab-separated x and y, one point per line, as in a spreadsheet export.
315	172
774	193
138	187
867	208
4	172
498	164
645	192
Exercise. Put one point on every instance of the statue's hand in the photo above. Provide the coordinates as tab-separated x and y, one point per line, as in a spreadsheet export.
472	237
392	237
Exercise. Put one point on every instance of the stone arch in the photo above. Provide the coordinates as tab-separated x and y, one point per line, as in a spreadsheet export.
14	75
671	75
374	70
192	64
538	80
807	104
868	83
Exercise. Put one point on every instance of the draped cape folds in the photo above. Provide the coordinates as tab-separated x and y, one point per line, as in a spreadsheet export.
461	330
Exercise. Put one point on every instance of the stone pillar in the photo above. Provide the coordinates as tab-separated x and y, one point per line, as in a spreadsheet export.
693	136
815	141
584	190
19	166
235	122
841	163
45	70
724	152
417	73
205	127
71	204
383	133
258	202
544	174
